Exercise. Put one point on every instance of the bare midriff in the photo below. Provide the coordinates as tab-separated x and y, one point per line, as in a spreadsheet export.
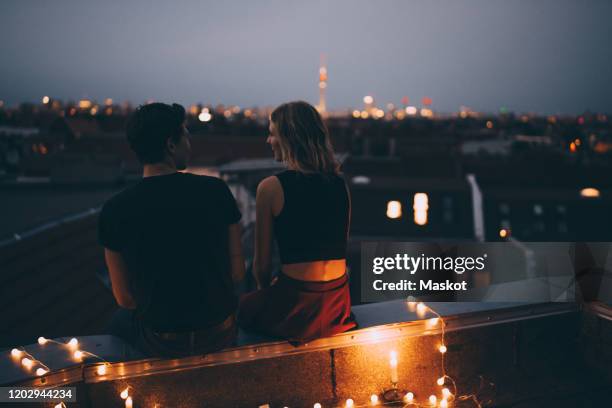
316	270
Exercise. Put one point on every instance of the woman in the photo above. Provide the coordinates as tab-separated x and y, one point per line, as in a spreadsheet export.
307	209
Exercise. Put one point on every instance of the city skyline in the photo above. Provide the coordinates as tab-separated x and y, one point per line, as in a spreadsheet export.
544	57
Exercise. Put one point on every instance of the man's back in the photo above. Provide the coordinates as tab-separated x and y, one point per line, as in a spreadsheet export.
172	231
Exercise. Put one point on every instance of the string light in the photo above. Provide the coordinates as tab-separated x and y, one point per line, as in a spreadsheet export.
409	397
421	309
27	363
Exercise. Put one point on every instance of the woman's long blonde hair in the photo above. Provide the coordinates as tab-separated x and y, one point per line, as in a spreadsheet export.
304	138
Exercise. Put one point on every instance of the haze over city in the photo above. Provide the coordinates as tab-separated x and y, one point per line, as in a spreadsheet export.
545	56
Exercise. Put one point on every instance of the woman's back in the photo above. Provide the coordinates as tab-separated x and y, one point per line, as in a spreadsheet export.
313	222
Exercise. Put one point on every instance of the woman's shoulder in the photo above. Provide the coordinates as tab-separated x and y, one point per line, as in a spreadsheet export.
269	186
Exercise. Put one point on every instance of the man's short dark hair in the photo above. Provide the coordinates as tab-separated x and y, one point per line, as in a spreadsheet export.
150	127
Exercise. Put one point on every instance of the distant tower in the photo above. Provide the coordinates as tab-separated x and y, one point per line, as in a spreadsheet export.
322	106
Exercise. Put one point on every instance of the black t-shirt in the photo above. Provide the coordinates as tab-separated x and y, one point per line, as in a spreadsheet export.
172	231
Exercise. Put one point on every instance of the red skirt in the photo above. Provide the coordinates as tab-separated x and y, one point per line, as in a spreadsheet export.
297	310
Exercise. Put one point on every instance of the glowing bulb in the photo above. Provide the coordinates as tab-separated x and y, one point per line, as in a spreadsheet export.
421	309
41	371
443	349
78	354
317	405
42	341
27	363
503	233
45	100
446	392
433	321
101	369
444	404
433	399
409	397
73	343
349	403
125	393
128	402
374	399
440	381
368	99
16	353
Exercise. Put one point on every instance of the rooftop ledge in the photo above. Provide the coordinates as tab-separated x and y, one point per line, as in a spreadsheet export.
379	322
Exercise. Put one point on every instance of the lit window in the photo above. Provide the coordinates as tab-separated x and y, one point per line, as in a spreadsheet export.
421	207
394	209
589	192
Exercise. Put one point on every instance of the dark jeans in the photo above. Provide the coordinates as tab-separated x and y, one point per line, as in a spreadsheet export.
129	327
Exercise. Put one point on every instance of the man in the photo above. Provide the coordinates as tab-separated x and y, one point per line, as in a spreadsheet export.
172	245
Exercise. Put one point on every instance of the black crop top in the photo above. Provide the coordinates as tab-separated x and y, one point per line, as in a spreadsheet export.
313	224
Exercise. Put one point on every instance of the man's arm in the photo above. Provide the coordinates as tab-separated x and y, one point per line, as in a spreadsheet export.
117	270
235	252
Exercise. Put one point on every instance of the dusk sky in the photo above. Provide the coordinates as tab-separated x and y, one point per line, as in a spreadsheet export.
545	56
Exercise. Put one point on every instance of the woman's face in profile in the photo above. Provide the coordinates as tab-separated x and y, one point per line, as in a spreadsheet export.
274	141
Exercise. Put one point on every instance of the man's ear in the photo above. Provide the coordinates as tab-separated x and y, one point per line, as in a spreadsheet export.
170	146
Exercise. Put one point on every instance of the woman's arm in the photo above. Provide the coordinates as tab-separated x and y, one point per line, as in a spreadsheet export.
266	207
235	252
118	272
